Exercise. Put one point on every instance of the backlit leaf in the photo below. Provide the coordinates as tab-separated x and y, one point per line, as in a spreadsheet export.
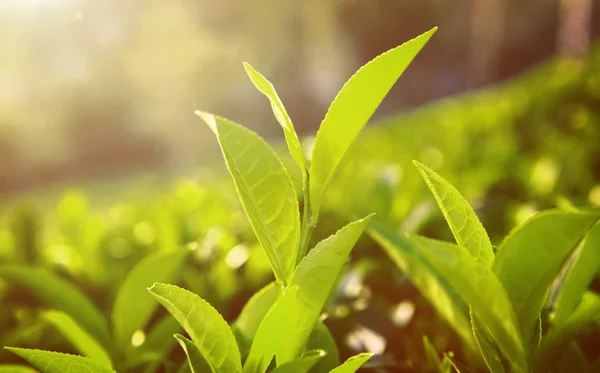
265	191
302	365
531	256
56	362
321	339
315	278
204	324
195	359
487	346
464	224
353	363
351	110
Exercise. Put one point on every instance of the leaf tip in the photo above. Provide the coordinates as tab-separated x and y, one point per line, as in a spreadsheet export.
208	118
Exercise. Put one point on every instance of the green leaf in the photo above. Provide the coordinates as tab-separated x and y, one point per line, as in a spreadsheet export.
16	369
321	339
56	362
531	256
61	295
133	306
271	332
315	278
204	324
265	191
481	290
253	313
265	87
487	346
158	340
579	273
353	363
351	110
196	361
464	224
432	284
82	340
432	356
587	315
302	365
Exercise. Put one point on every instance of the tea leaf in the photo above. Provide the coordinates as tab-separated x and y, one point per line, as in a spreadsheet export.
253	313
464	224
315	278
321	339
61	295
265	87
432	356
158	338
195	359
204	324
581	270
302	365
265	191
351	110
427	278
83	342
487	346
133	306
56	362
353	363
530	258
271	333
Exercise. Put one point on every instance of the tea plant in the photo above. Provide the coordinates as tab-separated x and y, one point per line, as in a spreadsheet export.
496	299
281	321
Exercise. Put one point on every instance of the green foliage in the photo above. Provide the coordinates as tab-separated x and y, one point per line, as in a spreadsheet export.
55	362
353	363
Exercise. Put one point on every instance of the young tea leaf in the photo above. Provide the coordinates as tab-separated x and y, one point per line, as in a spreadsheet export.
351	110
133	306
83	342
315	277
265	87
432	356
265	191
427	278
195	359
56	362
321	339
61	295
16	369
530	258
204	324
466	227
579	273
302	365
353	363
271	333
253	313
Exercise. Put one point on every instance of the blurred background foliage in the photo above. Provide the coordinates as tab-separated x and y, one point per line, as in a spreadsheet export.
102	160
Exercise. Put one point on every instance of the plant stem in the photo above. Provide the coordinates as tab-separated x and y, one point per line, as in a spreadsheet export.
308	225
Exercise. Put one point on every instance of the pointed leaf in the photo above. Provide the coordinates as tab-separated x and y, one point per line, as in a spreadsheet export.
487	346
432	284
265	87
133	306
464	224
432	356
196	361
581	270
351	110
321	339
353	363
253	313
265	191
302	365
315	278
531	256
56	362
61	295
271	332
79	338
204	324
